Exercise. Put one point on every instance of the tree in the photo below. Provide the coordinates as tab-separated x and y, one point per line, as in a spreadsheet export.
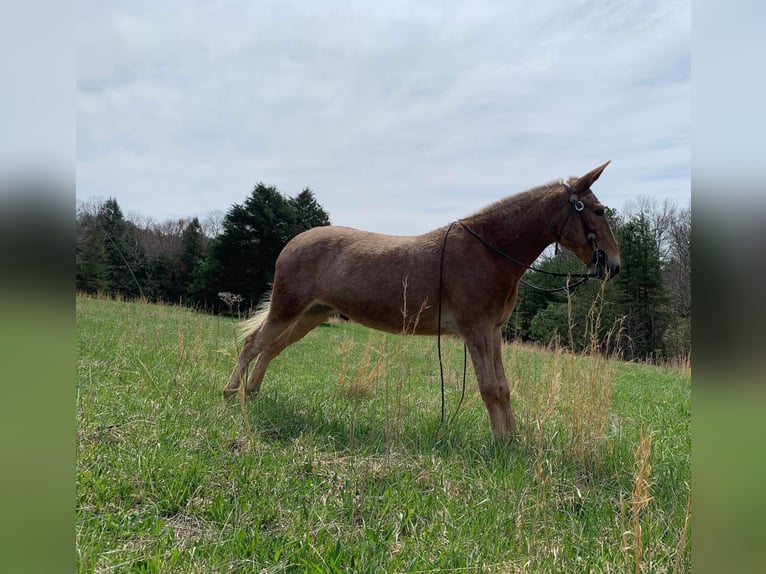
659	216
243	256
124	256
650	300
531	301
91	263
576	319
678	269
212	225
108	257
192	248
177	260
192	256
677	282
640	291
308	212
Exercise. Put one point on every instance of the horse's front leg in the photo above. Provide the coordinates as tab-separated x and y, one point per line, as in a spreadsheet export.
484	346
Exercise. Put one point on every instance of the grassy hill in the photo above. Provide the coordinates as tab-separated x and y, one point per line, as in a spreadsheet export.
341	464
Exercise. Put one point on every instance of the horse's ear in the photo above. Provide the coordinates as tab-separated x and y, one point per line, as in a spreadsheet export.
583	184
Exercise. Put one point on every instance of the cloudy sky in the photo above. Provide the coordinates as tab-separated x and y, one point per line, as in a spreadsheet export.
400	116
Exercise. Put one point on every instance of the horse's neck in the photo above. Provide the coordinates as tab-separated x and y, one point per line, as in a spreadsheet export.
520	226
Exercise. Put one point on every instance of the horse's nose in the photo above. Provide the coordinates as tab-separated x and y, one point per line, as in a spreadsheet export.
614	270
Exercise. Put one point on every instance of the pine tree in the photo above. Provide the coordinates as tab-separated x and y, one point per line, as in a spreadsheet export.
192	252
308	212
639	288
108	257
91	263
243	256
543	317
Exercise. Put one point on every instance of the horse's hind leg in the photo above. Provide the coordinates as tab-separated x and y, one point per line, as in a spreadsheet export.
248	353
260	338
307	322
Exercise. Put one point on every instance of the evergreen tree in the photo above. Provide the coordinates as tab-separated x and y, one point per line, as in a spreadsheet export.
639	289
192	253
91	264
124	259
107	257
160	283
308	212
531	301
567	318
243	255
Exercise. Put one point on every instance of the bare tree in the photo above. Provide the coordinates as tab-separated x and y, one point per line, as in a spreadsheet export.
212	224
660	217
671	229
678	270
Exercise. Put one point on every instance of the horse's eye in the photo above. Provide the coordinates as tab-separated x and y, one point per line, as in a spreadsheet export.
599	211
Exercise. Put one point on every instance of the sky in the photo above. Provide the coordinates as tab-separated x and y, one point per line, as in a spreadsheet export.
400	116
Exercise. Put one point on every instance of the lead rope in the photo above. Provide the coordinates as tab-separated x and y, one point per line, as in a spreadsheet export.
504	255
567	287
439	333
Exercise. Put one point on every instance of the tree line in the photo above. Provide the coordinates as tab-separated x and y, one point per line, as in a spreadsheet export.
226	264
642	313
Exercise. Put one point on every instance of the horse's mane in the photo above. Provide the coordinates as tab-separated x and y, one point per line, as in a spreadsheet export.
510	202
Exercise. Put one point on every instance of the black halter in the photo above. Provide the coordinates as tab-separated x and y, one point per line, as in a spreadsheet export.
598	258
578	207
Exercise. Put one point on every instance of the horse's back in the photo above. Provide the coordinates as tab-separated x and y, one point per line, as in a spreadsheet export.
331	243
361	274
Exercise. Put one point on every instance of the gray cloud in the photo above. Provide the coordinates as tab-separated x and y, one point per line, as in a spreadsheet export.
399	118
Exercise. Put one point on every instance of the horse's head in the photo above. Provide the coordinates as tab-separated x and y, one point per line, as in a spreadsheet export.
583	228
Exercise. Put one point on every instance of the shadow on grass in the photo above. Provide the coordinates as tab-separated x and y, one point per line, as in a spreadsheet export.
331	425
276	418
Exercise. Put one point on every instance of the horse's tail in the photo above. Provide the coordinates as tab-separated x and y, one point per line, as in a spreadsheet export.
254	322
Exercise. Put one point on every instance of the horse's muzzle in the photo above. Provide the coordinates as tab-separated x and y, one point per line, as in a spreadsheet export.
601	267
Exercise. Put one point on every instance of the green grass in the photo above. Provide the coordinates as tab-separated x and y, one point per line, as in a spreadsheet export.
341	465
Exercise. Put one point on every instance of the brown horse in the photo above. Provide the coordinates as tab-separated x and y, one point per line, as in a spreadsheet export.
466	273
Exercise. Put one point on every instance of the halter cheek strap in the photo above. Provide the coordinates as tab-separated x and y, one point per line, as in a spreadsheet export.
578	207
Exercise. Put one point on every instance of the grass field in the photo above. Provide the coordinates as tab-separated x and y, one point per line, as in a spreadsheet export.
341	464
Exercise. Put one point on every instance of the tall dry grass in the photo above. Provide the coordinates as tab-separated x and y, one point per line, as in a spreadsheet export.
566	398
382	363
357	378
633	535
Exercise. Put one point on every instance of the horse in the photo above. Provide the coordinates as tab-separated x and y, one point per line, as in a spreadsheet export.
462	280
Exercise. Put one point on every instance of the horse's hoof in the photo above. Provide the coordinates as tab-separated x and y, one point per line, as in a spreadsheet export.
229	394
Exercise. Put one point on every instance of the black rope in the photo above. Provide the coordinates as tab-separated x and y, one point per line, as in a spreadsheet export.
516	261
439	316
462	392
439	332
583	277
566	288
